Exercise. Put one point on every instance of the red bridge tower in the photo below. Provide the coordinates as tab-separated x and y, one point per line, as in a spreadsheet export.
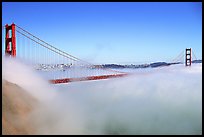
188	57
10	48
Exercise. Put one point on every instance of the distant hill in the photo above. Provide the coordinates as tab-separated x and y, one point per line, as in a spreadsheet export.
159	64
197	61
113	66
151	65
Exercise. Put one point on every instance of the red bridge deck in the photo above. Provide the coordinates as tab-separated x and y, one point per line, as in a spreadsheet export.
67	80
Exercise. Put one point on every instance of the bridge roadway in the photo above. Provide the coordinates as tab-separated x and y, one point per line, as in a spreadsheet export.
67	80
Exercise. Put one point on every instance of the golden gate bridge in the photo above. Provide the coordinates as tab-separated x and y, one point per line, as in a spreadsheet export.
60	66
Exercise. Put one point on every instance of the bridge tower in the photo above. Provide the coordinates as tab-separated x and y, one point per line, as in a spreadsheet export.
10	42
188	57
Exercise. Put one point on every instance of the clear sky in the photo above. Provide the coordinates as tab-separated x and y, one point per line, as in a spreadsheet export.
112	32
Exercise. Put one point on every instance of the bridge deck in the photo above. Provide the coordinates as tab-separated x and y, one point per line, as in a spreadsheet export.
67	80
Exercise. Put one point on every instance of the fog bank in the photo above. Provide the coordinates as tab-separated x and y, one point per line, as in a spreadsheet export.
166	100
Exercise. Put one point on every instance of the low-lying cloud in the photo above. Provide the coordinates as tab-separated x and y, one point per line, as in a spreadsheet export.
165	100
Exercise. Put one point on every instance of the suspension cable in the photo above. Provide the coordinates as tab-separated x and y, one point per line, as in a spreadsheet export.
45	46
51	45
194	55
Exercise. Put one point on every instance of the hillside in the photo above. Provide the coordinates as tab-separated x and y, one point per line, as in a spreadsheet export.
16	107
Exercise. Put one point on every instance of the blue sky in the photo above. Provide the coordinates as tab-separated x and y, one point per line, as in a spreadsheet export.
110	32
